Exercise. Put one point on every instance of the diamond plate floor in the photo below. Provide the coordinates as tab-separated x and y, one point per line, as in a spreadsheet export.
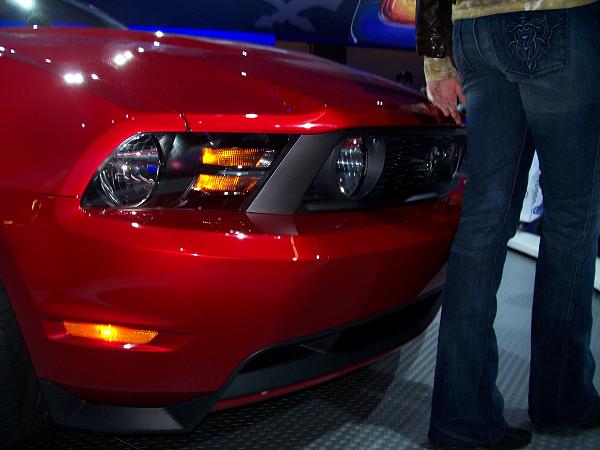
384	406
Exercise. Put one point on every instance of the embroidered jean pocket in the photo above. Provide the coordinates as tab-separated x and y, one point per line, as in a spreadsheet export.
462	64
531	43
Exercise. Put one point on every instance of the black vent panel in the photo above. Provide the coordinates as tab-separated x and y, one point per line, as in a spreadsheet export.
416	163
400	166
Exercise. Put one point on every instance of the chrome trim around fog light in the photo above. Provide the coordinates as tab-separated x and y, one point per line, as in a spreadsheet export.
351	164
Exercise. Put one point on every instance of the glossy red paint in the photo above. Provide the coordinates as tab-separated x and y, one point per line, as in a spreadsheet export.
218	286
215	86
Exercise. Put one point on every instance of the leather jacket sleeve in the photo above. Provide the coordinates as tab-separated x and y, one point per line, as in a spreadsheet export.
434	28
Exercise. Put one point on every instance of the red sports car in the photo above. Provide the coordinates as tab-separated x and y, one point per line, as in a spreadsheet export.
189	225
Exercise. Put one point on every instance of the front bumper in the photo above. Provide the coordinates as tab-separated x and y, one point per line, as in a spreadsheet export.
269	373
219	287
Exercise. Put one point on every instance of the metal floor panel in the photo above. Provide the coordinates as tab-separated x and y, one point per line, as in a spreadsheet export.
384	406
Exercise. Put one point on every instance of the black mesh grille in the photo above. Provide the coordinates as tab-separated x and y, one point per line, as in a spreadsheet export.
414	163
417	163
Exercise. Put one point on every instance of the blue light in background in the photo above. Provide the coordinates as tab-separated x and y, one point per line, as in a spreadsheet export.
243	36
12	23
369	29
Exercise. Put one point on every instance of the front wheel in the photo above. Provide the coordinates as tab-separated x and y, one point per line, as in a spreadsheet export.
23	410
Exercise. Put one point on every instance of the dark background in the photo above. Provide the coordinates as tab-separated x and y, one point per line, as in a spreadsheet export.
331	22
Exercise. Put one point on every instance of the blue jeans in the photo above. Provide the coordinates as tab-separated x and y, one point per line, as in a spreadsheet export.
532	80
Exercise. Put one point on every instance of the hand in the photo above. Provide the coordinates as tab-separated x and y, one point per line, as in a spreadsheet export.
444	94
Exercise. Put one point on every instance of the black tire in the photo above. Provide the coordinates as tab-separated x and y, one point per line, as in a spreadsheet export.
23	410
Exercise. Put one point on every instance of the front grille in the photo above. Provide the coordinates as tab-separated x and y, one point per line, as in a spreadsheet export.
415	163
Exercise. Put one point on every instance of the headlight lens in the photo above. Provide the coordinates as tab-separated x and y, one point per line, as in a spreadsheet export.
130	174
185	170
351	165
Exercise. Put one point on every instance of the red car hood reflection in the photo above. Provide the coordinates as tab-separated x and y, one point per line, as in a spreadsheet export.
217	85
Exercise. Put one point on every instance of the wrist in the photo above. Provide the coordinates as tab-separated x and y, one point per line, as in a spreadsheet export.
438	69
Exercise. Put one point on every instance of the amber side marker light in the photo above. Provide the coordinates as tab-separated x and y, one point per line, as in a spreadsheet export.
109	333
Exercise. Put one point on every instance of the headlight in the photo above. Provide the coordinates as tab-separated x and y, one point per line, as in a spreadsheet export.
184	170
130	174
351	165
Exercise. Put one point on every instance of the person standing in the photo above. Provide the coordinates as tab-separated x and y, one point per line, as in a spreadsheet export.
529	71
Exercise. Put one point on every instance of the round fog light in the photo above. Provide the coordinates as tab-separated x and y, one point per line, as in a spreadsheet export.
351	165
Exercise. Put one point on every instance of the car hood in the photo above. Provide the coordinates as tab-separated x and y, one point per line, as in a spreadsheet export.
219	85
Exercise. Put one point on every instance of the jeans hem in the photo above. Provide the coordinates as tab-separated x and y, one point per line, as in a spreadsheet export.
557	426
437	437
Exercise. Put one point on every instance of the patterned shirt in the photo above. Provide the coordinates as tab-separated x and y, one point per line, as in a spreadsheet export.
441	68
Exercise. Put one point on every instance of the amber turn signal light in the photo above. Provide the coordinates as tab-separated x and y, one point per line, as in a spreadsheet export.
215	184
237	157
109	333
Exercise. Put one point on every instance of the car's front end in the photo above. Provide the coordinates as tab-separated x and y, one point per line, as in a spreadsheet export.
222	231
